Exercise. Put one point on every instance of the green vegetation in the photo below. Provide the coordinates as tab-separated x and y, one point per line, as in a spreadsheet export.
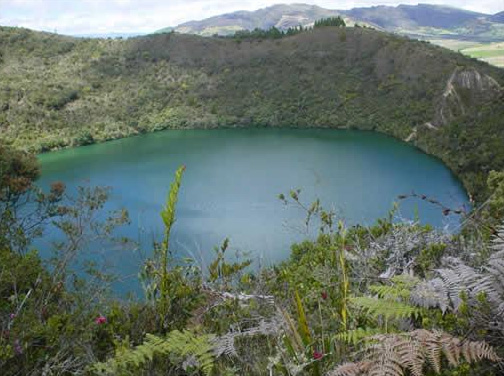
272	33
492	53
391	298
60	91
275	33
331	21
469	144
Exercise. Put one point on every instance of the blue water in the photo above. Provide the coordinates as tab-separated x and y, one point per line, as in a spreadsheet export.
232	181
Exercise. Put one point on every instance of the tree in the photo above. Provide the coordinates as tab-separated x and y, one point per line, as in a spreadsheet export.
23	207
331	21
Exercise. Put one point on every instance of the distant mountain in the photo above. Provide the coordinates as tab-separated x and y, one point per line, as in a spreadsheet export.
422	21
281	16
109	35
498	17
414	16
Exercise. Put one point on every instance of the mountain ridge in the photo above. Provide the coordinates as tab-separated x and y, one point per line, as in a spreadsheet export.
420	21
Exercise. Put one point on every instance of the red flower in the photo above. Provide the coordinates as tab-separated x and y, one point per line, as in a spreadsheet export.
324	295
317	355
101	320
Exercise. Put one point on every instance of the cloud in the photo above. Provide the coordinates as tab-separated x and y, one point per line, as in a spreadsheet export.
98	16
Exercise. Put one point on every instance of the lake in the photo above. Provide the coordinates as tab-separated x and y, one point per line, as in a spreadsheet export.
233	178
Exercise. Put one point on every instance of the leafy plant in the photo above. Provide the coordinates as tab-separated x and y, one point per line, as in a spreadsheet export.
222	272
184	349
173	288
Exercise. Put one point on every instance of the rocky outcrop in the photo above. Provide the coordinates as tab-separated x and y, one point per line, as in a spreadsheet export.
466	89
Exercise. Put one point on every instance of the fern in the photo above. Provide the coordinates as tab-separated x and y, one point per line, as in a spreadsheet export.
353	336
498	241
431	294
387	309
400	287
408	353
225	344
181	348
351	369
458	279
401	245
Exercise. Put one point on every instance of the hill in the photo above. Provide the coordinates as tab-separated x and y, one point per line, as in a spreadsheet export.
59	91
414	16
498	17
281	16
423	21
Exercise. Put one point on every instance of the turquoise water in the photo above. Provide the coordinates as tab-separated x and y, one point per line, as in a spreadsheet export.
233	178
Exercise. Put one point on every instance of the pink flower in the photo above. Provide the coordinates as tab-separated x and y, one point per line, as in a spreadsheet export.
12	316
317	355
101	320
18	349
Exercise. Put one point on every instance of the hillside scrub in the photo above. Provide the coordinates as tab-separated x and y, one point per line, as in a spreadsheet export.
60	91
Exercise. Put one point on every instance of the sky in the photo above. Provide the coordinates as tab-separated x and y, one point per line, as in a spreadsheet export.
75	17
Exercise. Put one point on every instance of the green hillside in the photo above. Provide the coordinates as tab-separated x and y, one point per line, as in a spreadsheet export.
60	91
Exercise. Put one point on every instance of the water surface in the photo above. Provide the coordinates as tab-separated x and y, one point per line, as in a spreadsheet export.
233	178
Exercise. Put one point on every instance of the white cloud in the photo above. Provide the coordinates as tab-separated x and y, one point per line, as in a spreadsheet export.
98	16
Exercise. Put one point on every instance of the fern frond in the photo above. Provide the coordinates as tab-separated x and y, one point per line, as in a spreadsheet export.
495	267
177	346
411	356
388	309
408	353
351	369
390	291
389	365
458	278
225	344
431	294
353	336
430	344
400	287
498	240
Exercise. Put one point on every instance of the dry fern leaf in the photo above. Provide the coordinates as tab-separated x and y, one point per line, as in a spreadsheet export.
351	369
410	352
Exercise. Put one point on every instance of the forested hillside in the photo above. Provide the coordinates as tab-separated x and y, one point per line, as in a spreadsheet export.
59	91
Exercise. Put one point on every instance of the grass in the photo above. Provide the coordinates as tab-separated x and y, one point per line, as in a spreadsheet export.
455	44
492	53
